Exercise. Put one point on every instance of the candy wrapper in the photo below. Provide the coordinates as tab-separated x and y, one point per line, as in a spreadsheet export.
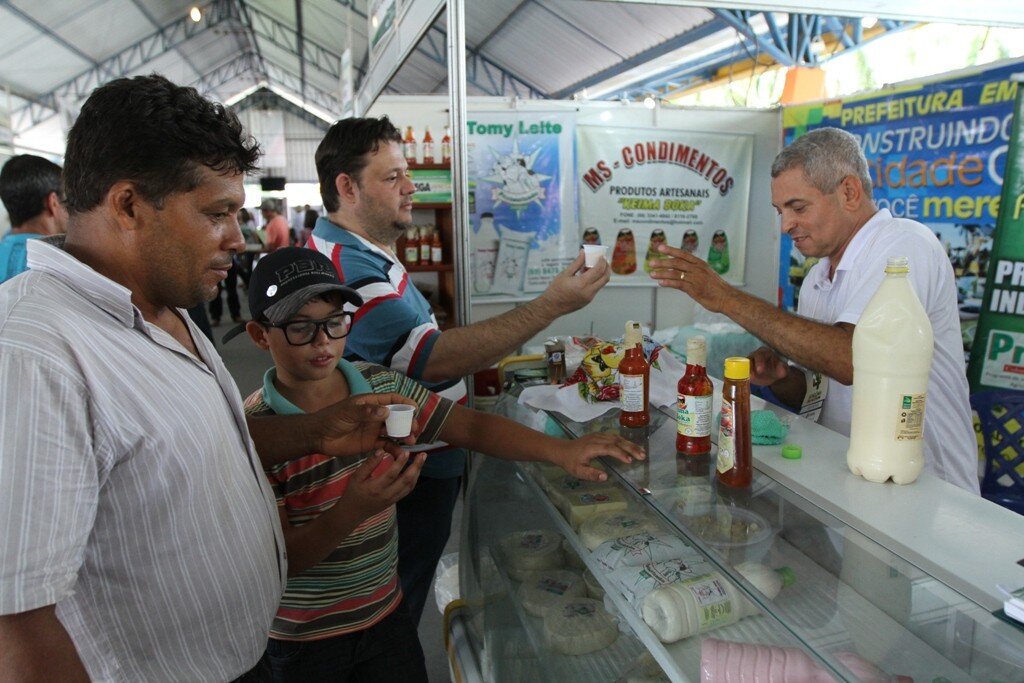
596	361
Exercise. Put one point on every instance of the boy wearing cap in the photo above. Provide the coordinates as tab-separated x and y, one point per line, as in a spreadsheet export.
340	614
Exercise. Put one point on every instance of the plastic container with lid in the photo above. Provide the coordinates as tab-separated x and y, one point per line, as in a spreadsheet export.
892	358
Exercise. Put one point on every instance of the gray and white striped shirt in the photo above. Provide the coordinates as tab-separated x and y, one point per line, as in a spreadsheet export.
130	492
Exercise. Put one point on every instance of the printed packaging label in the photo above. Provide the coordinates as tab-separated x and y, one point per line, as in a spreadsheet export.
714	608
632	393
693	415
727	438
910	424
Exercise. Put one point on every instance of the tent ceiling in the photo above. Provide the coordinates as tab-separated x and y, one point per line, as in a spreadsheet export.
54	52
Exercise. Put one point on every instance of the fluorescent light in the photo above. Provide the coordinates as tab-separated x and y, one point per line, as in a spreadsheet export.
649	102
195	14
869	22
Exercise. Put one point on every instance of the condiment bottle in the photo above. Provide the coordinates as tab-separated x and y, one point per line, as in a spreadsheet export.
436	254
735	460
554	351
409	146
892	359
428	147
446	147
425	245
635	378
693	410
411	253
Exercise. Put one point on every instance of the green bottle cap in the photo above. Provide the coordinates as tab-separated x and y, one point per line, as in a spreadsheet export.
788	577
792	451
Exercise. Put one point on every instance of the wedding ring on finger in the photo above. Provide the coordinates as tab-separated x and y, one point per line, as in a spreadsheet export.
682	275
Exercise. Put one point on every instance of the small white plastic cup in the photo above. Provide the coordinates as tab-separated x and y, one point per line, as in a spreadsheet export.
399	420
592	253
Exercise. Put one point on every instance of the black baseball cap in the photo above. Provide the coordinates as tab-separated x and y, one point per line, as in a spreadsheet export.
285	280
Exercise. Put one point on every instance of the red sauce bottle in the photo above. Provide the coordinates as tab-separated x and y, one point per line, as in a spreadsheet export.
428	147
735	460
635	376
693	409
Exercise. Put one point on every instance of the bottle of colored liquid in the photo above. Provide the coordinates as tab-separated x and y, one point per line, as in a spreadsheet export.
426	243
428	147
412	247
892	357
735	460
409	146
446	147
694	394
635	377
436	254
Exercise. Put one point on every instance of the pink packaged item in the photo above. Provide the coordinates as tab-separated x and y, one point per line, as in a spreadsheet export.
725	662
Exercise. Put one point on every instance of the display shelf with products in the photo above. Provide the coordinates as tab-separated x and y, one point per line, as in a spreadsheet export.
854	608
439	213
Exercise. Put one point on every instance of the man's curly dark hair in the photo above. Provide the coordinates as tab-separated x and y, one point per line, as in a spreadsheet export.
155	134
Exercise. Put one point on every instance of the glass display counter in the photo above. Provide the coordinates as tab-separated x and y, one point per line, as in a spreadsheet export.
860	601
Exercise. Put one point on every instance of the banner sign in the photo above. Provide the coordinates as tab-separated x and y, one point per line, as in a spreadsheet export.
521	204
997	357
639	187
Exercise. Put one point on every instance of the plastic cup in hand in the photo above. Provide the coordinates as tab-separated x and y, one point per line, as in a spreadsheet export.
592	253
399	420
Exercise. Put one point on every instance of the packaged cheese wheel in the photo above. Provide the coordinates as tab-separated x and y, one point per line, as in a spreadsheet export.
606	526
565	487
576	626
639	549
526	551
540	588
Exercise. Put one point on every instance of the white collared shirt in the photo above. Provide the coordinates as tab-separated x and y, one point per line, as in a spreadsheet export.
951	451
131	496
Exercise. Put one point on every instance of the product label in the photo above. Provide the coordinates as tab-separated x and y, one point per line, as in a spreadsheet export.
425	252
632	393
910	425
814	398
412	254
552	586
693	415
727	438
435	254
714	608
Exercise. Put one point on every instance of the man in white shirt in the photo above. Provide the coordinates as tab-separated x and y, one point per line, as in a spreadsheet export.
821	188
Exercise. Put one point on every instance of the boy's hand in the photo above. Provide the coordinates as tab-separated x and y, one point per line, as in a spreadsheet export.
380	481
356	424
576	456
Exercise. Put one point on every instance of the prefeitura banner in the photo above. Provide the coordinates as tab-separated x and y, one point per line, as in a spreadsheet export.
997	357
520	171
639	187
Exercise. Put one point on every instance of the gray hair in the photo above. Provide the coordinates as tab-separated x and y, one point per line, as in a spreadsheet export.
826	155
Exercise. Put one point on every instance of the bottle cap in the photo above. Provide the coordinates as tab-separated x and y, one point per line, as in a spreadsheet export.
897	264
788	577
696	351
737	368
792	451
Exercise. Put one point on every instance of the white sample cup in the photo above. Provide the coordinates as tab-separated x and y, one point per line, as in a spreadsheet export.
592	253
399	420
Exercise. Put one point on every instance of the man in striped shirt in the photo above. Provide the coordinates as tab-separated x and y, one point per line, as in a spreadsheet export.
139	540
341	617
367	192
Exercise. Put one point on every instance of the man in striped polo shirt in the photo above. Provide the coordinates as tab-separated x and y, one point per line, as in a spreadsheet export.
367	193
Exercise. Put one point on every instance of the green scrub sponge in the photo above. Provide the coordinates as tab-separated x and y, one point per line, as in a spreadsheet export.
766	429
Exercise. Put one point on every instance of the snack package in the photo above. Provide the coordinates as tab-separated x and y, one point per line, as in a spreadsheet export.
594	364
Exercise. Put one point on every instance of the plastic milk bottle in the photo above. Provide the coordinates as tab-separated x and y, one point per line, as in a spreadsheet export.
892	356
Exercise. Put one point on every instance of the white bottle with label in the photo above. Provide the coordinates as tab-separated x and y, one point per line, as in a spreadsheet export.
485	254
892	357
685	608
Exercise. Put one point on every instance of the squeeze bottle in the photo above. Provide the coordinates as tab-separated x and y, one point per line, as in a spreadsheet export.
735	459
892	356
693	409
485	254
685	608
635	377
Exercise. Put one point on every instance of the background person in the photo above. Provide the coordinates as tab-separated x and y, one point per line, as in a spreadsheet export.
367	193
30	188
275	226
821	188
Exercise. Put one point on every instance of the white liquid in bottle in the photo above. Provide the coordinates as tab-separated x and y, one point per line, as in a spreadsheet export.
485	254
892	356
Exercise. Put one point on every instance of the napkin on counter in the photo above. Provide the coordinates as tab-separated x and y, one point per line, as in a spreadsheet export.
568	401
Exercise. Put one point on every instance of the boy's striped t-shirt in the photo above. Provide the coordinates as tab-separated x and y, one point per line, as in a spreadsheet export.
356	585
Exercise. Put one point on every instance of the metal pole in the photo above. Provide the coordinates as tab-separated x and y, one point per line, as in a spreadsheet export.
460	180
